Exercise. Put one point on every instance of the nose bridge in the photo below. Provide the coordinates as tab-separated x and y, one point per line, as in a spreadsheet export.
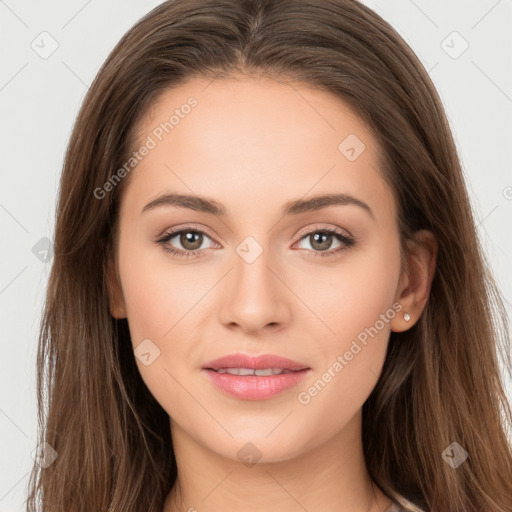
255	296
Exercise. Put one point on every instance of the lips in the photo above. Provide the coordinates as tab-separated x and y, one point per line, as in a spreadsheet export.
262	362
255	378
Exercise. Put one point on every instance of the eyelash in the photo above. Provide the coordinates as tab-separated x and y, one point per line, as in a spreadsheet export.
347	240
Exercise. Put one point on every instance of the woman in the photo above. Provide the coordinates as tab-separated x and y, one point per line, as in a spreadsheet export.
267	291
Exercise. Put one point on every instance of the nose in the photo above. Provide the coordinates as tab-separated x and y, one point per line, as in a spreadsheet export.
254	297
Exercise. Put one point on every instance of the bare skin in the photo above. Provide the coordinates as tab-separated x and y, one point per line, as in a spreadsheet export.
254	144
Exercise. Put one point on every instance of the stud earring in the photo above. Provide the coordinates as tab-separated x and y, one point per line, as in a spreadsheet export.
407	317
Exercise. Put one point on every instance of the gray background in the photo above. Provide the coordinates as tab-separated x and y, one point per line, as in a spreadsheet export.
40	95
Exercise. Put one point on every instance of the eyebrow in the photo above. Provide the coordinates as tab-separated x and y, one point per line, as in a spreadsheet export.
298	206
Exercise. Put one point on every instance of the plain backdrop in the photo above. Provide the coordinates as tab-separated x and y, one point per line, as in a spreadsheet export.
50	53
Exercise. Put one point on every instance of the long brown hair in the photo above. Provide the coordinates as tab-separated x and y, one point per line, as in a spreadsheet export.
441	381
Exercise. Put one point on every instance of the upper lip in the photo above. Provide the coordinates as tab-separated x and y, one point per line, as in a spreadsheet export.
256	363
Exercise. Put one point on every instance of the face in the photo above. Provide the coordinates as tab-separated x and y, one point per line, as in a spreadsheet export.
269	272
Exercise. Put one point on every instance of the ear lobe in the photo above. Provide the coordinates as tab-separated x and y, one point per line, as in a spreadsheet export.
115	293
413	294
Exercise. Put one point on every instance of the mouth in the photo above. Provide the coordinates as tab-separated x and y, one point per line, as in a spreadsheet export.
250	377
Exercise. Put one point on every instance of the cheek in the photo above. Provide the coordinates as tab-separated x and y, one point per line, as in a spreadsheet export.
163	304
356	303
156	292
158	296
352	297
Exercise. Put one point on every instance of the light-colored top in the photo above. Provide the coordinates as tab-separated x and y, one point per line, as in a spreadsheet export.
407	507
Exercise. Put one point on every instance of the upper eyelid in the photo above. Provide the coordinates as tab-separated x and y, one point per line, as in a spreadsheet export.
315	228
170	233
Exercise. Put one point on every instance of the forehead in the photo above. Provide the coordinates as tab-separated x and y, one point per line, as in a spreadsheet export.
246	138
246	107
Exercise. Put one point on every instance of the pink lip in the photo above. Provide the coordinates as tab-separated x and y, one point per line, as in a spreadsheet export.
256	363
255	387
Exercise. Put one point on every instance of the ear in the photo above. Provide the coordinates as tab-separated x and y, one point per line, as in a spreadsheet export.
416	280
115	293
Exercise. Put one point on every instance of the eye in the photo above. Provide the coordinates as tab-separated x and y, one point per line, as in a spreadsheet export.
191	239
322	239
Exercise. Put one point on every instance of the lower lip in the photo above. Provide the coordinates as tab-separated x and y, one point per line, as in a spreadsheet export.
254	387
